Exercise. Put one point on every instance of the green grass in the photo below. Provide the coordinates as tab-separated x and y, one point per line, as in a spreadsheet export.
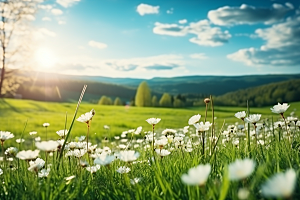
14	114
160	178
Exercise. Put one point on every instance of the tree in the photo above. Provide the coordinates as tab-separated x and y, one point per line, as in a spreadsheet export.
13	17
105	100
154	101
178	103
118	102
143	95
165	100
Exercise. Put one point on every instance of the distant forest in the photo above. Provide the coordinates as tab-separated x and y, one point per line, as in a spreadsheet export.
286	91
68	90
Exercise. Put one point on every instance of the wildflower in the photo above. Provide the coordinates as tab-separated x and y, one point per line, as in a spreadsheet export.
253	119
161	143
194	119
32	133
206	100
87	117
162	152
280	185
81	138
46	125
135	180
280	109
11	151
106	127
202	127
241	169
62	133
1	171
44	173
104	159
93	169
168	132
5	135
79	152
241	115
20	140
123	170
279	124
37	139
36	165
153	121
128	156
47	146
83	163
243	193
28	155
197	175
138	130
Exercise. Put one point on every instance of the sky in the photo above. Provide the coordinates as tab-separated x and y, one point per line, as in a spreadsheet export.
167	38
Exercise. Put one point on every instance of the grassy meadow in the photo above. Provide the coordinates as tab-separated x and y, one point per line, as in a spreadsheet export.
15	113
237	163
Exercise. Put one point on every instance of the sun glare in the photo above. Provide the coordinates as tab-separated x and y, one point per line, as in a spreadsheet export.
45	58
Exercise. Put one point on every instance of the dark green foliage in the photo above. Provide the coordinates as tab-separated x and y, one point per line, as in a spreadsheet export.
286	91
105	100
118	102
165	100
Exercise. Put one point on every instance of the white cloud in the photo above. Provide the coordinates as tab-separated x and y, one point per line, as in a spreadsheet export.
46	32
56	11
252	36
183	21
66	3
144	9
289	5
281	47
246	14
152	63
98	45
29	17
61	22
46	19
170	11
170	29
45	7
205	34
200	56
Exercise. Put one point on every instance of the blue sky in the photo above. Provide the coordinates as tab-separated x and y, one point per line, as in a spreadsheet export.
165	38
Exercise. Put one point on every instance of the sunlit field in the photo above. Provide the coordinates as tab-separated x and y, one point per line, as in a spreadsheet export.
186	158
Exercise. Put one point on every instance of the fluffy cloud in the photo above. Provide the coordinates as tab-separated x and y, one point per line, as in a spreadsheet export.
144	9
151	63
45	7
281	47
205	34
183	21
66	3
161	62
200	56
246	14
162	67
98	45
170	11
46	32
46	19
61	22
56	11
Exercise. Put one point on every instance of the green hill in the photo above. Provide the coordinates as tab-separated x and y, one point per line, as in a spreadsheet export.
285	91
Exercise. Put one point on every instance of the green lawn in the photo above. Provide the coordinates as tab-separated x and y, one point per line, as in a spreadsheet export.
14	114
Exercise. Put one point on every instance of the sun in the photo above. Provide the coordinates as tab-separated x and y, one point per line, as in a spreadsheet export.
45	58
